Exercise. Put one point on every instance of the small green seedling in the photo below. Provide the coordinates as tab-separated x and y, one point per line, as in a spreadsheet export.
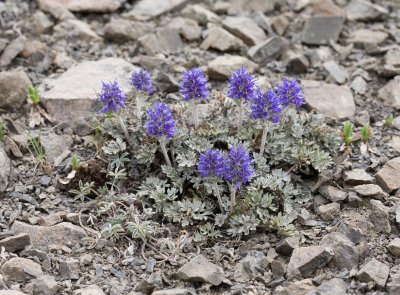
38	150
365	133
348	133
389	120
33	95
2	132
75	162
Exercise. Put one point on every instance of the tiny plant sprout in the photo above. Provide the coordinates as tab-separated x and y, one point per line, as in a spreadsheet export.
33	95
348	133
389	120
365	133
75	162
2	132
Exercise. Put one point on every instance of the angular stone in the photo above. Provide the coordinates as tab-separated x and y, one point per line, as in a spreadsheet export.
361	10
172	292
334	286
13	89
45	285
223	66
240	6
11	292
297	63
148	9
271	49
374	271
199	269
318	30
329	211
15	243
245	29
200	14
380	216
222	40
286	246
302	287
69	269
388	177
90	290
390	93
163	40
41	23
394	247
122	30
331	100
356	228
346	253
333	193
365	37
71	98
357	176
56	147
280	24
370	190
187	27
12	50
43	236
338	73
393	286
306	260
73	30
5	164
20	269
82	5
359	85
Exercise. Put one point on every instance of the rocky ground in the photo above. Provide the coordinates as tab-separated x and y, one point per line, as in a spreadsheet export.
347	56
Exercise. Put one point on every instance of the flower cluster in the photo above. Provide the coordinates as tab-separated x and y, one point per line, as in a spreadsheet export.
234	167
193	85
265	106
141	81
241	84
112	97
290	92
160	121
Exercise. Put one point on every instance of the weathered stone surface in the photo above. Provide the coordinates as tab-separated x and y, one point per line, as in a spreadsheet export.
390	93
69	269
13	89
188	28
280	24
241	6
332	100
11	292
394	247
329	211
297	63
14	243
391	65
222	40
223	66
41	23
123	30
306	260
5	164
12	50
357	176
245	29
269	50
370	190
147	9
45	285
334	286
90	290
346	254
43	236
250	266
389	176
356	228
302	287
56	147
74	30
163	40
200	14
333	193
71	98
380	216
82	5
365	37
337	72
318	30
20	269
359	85
361	10
177	291
199	269
374	271
286	246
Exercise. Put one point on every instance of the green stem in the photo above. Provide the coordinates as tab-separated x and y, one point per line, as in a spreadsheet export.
221	207
124	129
164	151
263	140
233	197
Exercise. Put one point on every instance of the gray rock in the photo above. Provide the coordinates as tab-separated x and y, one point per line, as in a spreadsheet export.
199	269
329	211
269	50
240	6
390	93
287	245
200	14
363	38
71	98
393	286
379	216
148	9
15	243
123	30
297	63
45	285
346	254
306	260
11	292
164	40
56	147
331	100
148	285
245	29
69	269
5	170
318	30
188	28
82	5
333	193
222	40
361	10
391	65
359	85
278	268
280	24
374	271
90	290
338	73
177	291
222	67
41	23
356	228
20	269
388	177
13	89
370	190
334	286
12	50
255	262
76	31
302	287
357	176
394	247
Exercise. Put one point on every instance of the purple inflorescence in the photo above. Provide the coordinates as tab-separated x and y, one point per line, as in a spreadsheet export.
193	85
160	121
241	85
111	97
265	106
238	169
141	81
212	163
290	92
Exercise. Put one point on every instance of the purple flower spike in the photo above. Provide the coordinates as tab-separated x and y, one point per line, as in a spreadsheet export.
212	163
265	106
238	168
160	121
141	81
112	97
193	85
290	92
241	85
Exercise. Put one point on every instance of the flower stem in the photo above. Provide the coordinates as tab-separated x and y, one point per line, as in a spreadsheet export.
263	140
240	114
124	129
196	115
221	207
139	108
164	151
233	197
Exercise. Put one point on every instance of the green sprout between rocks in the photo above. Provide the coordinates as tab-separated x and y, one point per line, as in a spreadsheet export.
348	133
365	133
33	95
389	120
2	132
38	150
75	162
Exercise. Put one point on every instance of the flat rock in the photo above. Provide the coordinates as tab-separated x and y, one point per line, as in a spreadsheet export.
20	269
201	14
306	260
177	291
332	193
222	67
374	271
390	93
337	72
359	85
12	50
331	100
334	286
12	292
220	39
391	66
329	211
82	5
245	6
361	10
346	254
15	243
366	37
370	190
199	269
13	89
394	247
5	164
148	9
357	176
43	236
71	98
56	147
245	29
389	176
73	30
164	40
318	30
271	49
89	290
286	246
280	24
188	28
302	287
45	285
122	30
379	216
